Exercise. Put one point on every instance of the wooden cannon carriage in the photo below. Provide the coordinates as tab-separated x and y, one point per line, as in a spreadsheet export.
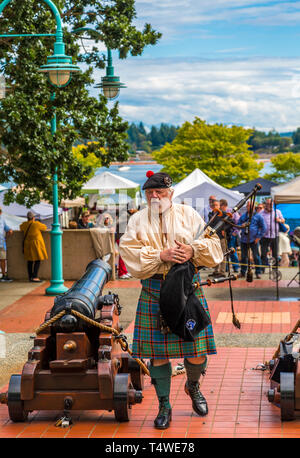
80	359
284	389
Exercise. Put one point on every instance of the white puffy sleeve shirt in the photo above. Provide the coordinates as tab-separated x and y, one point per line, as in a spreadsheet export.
147	235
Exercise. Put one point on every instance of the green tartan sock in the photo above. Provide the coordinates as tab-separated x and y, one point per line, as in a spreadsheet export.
161	379
194	371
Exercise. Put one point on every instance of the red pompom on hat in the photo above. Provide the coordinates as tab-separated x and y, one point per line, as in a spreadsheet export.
157	180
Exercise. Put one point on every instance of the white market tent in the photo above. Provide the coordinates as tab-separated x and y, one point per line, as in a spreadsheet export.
108	184
43	211
196	188
287	193
78	202
13	221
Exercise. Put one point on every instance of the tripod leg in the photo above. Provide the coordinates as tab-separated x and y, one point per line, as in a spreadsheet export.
294	278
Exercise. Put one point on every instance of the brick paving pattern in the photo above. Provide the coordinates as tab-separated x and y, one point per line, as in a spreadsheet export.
234	385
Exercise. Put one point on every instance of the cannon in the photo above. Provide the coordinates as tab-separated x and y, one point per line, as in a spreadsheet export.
77	361
284	368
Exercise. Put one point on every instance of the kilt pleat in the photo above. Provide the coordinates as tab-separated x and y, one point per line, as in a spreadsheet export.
150	342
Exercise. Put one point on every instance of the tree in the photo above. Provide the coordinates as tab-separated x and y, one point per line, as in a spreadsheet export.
296	136
156	137
221	152
272	142
287	167
29	154
89	161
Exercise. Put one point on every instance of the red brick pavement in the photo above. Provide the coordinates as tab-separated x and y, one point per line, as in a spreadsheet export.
236	396
235	391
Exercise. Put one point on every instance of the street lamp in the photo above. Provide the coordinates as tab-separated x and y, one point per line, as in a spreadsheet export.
110	84
59	68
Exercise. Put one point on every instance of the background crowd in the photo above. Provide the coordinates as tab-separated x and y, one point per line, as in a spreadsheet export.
266	239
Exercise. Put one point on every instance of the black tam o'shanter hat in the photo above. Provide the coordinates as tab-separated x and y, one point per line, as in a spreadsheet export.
157	180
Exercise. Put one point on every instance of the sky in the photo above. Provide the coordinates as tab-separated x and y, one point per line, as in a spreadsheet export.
226	61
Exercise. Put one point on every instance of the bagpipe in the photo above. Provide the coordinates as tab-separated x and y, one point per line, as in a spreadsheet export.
225	221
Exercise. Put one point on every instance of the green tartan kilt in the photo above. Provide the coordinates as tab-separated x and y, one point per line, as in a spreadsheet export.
150	342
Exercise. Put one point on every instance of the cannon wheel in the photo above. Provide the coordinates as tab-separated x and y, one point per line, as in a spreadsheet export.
121	397
15	404
287	396
136	373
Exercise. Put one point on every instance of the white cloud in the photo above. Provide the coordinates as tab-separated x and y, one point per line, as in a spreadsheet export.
261	91
264	93
168	15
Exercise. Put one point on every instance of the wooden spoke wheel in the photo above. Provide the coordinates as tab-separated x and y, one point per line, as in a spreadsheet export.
287	396
15	404
136	373
122	385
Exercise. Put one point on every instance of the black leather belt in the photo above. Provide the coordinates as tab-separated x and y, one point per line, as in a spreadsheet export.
157	277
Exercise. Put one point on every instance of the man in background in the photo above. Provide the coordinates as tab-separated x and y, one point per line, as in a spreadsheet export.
259	208
220	269
232	241
250	237
83	222
270	237
209	207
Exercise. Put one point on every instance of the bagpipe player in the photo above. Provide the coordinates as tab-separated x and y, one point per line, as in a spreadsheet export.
158	237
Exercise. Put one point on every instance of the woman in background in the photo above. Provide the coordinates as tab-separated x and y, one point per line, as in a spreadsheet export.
284	247
34	246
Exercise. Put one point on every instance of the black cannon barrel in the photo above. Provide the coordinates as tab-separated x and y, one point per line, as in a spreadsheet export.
83	296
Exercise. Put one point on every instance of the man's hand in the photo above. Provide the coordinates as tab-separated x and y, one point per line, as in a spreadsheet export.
180	254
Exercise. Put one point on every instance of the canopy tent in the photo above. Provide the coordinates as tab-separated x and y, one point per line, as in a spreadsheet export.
114	188
42	211
107	183
197	187
287	193
13	221
265	190
78	202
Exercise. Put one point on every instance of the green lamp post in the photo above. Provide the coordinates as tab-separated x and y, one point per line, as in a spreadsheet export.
59	68
110	84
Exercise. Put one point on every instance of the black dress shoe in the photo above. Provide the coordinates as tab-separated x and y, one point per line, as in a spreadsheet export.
258	276
199	401
162	421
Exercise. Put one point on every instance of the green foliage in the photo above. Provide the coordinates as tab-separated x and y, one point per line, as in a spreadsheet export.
156	138
90	160
221	152
29	154
286	165
296	137
272	142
